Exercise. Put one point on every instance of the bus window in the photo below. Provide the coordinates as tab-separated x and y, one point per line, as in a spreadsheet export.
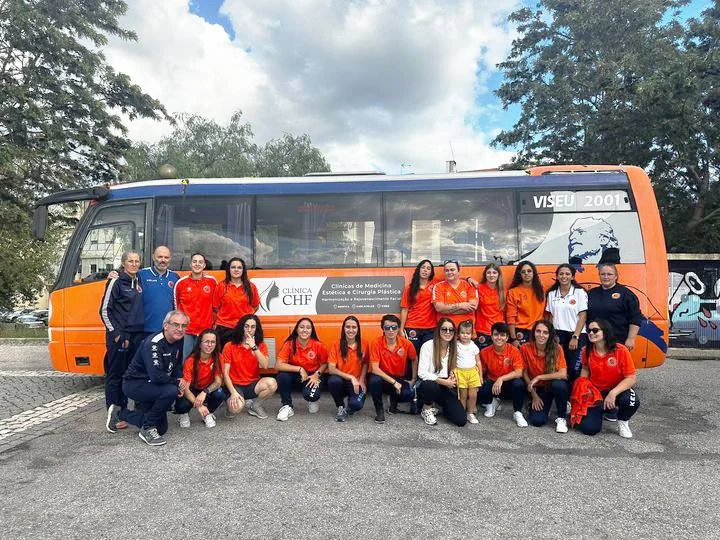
471	226
553	237
318	230
114	230
217	228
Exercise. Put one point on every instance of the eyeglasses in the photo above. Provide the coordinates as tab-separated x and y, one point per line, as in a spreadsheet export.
208	342
177	325
390	327
447	330
594	330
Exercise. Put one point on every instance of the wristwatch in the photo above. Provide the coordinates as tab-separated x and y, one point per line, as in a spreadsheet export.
254	348
574	337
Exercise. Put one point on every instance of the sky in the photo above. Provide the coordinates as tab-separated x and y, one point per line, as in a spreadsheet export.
398	86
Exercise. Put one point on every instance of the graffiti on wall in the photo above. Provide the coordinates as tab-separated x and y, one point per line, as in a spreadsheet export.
694	303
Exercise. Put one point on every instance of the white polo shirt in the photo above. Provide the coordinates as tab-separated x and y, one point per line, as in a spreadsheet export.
566	309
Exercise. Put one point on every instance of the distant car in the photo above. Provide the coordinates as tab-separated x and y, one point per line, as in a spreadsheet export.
41	314
19	313
29	321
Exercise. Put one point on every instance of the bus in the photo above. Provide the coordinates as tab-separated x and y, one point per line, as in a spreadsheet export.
326	246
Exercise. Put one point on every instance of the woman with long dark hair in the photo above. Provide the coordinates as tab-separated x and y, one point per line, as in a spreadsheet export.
611	370
417	314
243	357
436	371
491	304
301	361
525	302
545	374
567	304
234	297
201	372
348	364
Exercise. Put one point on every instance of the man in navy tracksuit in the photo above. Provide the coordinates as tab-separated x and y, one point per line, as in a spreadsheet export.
158	283
153	380
121	312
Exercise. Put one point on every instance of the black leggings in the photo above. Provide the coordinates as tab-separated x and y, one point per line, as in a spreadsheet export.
627	403
430	392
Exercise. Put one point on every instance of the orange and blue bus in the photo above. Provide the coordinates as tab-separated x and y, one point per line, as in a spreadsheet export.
326	246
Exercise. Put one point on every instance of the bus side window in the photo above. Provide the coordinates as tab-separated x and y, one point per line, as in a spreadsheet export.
114	230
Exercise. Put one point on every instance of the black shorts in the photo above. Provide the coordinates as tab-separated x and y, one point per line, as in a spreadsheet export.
247	391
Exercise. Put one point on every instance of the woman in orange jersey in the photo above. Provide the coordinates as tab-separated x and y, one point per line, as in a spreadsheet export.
611	370
242	358
417	314
503	368
301	361
491	304
233	298
201	372
454	298
525	302
545	374
348	365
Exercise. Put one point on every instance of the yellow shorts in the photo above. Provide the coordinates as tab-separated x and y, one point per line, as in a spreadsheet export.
467	377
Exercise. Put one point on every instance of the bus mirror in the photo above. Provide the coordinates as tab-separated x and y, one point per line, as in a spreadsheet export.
40	219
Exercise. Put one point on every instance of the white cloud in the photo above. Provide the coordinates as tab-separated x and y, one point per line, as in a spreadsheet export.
375	83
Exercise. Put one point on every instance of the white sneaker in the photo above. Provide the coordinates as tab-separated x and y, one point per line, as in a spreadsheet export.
255	408
285	412
313	407
184	420
491	408
472	418
209	420
520	419
569	408
561	425
429	417
624	429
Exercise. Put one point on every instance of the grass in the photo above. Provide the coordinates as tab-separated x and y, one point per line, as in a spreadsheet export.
9	330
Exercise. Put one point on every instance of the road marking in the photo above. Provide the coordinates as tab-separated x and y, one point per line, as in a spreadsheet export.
39	373
49	411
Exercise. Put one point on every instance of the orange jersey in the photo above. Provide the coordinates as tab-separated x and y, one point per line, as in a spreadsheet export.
194	297
523	308
488	310
232	303
535	363
607	370
309	358
501	363
244	367
421	314
353	364
205	375
392	362
445	293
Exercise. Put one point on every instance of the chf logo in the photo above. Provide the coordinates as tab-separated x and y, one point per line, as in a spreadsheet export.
296	296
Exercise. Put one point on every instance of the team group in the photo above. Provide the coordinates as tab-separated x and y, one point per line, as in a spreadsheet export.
191	342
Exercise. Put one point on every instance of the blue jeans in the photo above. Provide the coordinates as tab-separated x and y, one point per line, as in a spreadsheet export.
514	389
556	390
154	401
287	379
212	401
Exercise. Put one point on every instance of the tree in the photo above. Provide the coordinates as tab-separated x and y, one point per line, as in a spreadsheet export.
59	111
202	148
622	81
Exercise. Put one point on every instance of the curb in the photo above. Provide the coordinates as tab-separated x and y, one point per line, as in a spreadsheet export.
677	353
23	341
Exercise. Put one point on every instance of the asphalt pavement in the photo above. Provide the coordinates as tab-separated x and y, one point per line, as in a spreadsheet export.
310	477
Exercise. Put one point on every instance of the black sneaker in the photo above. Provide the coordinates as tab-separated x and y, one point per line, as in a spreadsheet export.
112	418
379	416
151	436
393	409
341	415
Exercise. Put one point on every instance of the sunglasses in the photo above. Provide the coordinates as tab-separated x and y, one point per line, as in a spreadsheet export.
446	330
594	330
453	261
390	327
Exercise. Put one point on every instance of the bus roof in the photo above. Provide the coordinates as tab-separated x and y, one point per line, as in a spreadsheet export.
358	184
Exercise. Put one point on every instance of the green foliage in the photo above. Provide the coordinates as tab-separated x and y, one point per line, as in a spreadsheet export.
623	81
59	115
201	148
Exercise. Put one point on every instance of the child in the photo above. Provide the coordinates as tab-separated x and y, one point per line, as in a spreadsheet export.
502	364
469	370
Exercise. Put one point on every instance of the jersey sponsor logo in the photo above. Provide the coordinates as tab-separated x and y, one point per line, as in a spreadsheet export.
481	339
615	295
171	284
412	333
206	289
612	361
311	354
507	361
572	302
519	335
401	352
